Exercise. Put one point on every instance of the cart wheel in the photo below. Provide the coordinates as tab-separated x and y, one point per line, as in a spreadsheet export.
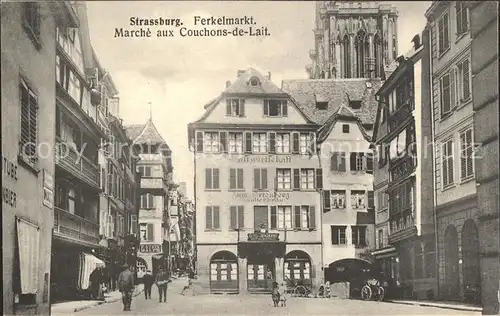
299	291
366	293
381	293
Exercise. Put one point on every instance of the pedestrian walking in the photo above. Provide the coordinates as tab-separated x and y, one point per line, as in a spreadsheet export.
148	281
96	279
162	281
126	286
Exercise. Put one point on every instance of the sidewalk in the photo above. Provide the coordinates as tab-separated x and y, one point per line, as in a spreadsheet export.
446	305
71	307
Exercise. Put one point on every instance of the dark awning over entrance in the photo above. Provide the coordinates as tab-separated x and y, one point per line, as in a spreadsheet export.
261	249
349	269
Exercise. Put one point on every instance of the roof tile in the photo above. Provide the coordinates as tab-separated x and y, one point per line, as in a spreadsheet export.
337	92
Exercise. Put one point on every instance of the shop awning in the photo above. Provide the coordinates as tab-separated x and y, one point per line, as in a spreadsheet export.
88	263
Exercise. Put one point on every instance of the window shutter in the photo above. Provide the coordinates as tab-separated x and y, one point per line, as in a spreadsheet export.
151	201
272	143
319	178
342	164
312	217
151	236
239	178
295	143
297	221
199	142
369	164
264	179
228	107
335	235
274	218
354	235
208	217
248	142
242	107
223	141
284	110
312	138
232	178
208	178
353	161
241	217
216	178
232	217
216	217
453	89
256	179
296	179
371	202
266	108
326	201
334	162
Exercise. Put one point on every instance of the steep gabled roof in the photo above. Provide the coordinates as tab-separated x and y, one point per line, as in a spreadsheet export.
342	113
242	87
242	84
337	92
147	135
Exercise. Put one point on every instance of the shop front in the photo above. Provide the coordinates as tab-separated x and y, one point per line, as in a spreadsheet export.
264	254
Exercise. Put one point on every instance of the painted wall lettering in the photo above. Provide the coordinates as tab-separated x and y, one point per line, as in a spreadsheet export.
265	159
262	197
150	248
9	174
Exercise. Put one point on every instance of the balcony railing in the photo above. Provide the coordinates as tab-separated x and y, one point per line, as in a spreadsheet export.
75	227
402	167
402	226
70	160
152	183
400	115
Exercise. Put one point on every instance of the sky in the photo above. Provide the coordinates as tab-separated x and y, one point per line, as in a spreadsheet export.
179	75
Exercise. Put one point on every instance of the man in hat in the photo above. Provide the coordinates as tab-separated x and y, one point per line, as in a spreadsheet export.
126	286
162	280
148	281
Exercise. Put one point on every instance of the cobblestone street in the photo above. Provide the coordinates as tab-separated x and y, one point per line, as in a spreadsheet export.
260	305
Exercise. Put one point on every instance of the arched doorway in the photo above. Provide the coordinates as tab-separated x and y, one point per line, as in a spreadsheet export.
142	266
452	281
297	268
224	272
470	264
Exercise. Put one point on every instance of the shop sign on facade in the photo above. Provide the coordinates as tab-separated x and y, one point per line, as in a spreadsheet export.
150	248
48	189
262	197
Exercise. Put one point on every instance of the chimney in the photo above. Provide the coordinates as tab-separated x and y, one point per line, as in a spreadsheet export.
240	72
268	75
228	83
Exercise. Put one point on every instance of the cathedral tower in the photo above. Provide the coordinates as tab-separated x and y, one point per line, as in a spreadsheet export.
353	39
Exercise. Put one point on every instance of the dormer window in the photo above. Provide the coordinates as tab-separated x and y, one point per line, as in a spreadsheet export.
355	104
321	105
321	102
235	107
275	108
254	82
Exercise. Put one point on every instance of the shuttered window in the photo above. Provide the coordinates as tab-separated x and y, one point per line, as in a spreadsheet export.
236	217
338	161
235	107
133	224
29	124
326	201
32	18
448	92
444	33
260	179
261	216
212	178
28	238
295	143
212	218
235	179
447	164
466	154
338	235
199	142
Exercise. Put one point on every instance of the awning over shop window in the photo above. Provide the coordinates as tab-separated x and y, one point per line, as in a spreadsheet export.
88	263
28	237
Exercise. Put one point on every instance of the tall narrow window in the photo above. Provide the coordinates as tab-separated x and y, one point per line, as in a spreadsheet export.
282	143
235	142
212	178
307	179
212	218
463	80
347	57
447	163
444	33
360	54
447	87
284	217
461	18
284	178
338	235
32	20
260	179
377	52
29	124
236	179
466	154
